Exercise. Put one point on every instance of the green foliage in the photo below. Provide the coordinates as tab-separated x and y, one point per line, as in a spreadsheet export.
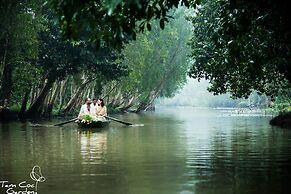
21	21
282	104
15	108
32	50
20	24
87	119
282	108
242	46
24	77
111	22
157	60
59	58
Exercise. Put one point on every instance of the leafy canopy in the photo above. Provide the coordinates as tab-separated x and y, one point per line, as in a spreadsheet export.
158	60
59	58
242	46
112	21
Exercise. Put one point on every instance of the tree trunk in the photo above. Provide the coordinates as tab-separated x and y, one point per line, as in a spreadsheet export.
6	82
44	106
33	95
52	99
88	93
74	98
61	93
143	104
151	96
5	52
129	104
93	91
115	101
107	93
36	107
155	92
24	104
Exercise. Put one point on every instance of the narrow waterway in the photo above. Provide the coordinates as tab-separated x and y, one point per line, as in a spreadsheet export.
182	150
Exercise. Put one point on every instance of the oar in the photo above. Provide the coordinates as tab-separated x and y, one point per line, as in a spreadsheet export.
69	121
117	120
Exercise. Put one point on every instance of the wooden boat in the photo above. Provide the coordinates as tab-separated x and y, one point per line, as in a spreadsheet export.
94	124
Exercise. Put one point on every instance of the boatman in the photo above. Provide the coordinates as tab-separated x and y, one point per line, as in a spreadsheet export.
87	109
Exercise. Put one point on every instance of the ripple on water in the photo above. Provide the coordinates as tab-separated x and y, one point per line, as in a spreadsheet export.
176	151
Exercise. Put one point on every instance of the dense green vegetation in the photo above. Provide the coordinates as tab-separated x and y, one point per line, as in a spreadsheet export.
42	73
157	61
53	53
242	46
111	22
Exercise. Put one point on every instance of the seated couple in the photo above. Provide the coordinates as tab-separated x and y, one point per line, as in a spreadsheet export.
97	110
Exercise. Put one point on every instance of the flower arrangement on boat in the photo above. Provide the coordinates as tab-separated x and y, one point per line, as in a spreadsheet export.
87	119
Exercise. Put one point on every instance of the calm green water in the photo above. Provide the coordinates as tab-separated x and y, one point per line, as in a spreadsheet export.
185	150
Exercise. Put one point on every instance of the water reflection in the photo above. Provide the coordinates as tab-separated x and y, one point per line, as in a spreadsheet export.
184	151
93	147
237	156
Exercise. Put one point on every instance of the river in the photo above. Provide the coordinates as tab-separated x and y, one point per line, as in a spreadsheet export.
177	151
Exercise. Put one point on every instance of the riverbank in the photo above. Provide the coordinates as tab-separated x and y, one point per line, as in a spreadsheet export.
282	120
7	115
